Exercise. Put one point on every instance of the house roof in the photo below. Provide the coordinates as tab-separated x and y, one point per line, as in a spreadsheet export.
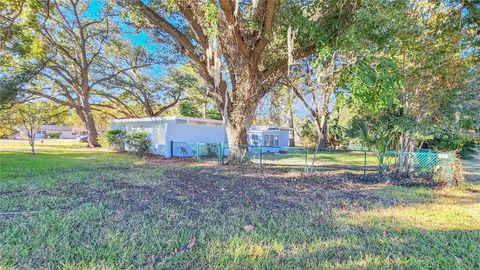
266	128
50	127
166	118
161	118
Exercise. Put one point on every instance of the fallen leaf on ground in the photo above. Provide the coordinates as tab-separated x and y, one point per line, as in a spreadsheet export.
188	246
191	244
248	228
150	261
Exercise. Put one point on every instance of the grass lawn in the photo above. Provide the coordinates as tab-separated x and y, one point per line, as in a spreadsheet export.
352	161
70	207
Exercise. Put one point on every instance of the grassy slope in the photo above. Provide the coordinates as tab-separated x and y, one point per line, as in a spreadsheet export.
71	208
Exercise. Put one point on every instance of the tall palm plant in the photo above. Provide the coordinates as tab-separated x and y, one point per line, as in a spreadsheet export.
381	139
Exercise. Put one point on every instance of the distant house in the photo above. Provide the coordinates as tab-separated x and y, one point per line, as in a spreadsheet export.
44	130
270	138
176	136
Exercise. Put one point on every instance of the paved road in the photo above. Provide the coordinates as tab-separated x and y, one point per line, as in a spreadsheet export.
472	169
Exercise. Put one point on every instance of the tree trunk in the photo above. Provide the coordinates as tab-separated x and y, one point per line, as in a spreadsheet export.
31	140
91	129
322	132
407	148
320	124
85	115
236	134
323	121
237	140
239	120
291	135
240	109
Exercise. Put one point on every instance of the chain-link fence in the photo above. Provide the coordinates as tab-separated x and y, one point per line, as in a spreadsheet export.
419	163
198	151
422	163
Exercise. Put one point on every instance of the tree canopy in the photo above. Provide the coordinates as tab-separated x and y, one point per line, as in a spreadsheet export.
412	61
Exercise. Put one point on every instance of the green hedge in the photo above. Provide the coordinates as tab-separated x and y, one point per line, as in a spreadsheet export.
116	139
54	135
138	143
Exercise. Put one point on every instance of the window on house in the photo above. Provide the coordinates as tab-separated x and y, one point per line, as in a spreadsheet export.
214	124
270	140
137	128
181	121
159	133
254	139
197	123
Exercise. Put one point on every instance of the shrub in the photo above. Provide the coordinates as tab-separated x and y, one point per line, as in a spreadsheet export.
115	139
138	143
54	135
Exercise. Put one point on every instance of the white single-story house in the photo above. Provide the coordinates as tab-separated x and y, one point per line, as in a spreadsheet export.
173	135
272	139
44	130
177	136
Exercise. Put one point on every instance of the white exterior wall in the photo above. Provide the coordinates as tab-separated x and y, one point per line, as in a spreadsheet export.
179	134
156	148
283	136
64	134
183	135
67	135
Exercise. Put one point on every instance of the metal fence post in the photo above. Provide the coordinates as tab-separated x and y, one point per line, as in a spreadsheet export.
222	153
364	163
451	167
306	160
261	157
196	151
171	148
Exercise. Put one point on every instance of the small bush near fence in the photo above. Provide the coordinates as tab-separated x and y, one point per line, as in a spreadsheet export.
116	139
54	135
138	143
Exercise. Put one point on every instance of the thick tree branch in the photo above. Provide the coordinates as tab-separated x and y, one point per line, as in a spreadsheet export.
297	92
54	99
111	76
283	63
166	107
266	30
228	11
186	9
155	19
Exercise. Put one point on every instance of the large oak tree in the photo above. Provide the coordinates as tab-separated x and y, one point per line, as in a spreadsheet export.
78	61
247	39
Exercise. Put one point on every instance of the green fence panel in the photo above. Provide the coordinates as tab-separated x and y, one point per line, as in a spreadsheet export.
421	163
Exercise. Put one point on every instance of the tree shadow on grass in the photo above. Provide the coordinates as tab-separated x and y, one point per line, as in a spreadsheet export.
130	212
